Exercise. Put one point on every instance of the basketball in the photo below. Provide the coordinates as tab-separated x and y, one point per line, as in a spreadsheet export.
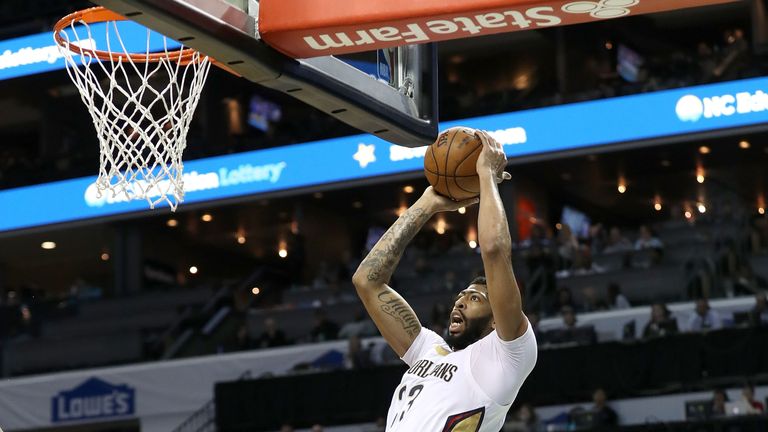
449	163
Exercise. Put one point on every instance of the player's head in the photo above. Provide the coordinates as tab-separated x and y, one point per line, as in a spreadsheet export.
471	317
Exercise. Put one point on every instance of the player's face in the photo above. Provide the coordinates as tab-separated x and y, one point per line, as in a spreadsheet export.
471	317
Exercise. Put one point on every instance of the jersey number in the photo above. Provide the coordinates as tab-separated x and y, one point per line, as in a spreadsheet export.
402	395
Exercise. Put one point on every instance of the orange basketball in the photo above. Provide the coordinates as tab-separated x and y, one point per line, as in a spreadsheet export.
449	163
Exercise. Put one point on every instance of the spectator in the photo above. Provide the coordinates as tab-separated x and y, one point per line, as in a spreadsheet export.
272	336
748	394
567	248
604	415
591	302
661	324
324	329
704	317
617	242
758	316
241	341
361	326
719	398
569	317
524	419
617	300
535	319
564	298
571	331
647	240
357	356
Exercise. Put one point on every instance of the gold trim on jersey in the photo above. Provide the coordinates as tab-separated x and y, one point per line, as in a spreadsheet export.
441	351
469	421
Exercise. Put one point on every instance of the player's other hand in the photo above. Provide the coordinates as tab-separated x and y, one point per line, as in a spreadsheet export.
492	158
437	203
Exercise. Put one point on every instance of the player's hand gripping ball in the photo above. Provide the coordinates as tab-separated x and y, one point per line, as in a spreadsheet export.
450	164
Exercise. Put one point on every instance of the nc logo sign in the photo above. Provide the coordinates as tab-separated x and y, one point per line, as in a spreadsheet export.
692	108
689	108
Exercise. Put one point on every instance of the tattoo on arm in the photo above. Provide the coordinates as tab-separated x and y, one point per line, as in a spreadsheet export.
398	309
383	258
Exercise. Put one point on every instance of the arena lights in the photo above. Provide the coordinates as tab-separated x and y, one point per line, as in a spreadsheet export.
105	256
440	225
462	210
255	291
701	207
622	186
744	145
282	250
704	150
282	253
761	210
48	245
207	217
700	174
193	269
657	206
688	214
472	237
173	223
241	239
408	189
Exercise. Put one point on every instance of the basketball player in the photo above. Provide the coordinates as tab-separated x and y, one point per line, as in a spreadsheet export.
468	381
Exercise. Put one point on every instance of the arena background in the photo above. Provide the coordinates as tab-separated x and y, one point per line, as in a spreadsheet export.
637	151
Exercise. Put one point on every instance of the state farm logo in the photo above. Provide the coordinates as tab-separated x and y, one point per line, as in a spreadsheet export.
603	9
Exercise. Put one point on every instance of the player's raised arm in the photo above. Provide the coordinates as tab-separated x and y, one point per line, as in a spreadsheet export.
392	314
496	244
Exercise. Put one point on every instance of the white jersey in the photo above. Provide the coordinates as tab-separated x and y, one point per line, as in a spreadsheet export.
464	391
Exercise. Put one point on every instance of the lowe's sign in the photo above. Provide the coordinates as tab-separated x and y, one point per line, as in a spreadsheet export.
534	132
93	399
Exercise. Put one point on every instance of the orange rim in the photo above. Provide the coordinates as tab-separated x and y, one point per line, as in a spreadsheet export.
100	14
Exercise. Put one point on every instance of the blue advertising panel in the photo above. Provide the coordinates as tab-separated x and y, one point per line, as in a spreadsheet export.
38	53
555	129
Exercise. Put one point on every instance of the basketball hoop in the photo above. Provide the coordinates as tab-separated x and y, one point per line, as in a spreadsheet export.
141	104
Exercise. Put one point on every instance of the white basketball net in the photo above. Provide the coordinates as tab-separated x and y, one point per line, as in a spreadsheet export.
142	126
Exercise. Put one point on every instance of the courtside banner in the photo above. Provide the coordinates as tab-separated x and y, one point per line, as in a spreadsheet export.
303	29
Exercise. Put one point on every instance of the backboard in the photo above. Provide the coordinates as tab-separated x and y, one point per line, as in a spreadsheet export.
401	108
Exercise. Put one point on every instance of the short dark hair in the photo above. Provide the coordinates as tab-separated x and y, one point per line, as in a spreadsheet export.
480	280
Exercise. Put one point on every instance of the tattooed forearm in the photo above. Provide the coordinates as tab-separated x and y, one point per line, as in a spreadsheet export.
392	305
381	261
